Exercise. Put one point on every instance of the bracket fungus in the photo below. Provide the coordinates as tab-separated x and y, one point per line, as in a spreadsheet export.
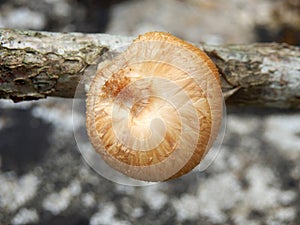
153	112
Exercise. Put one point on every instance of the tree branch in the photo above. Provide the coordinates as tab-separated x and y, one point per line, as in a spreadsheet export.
35	65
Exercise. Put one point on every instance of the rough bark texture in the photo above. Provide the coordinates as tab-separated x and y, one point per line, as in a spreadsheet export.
35	65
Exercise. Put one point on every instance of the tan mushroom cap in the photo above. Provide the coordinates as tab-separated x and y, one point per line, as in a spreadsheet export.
155	110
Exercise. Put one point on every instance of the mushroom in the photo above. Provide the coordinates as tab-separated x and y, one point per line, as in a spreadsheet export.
153	112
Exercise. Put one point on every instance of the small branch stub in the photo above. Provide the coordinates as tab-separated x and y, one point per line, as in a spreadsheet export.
154	111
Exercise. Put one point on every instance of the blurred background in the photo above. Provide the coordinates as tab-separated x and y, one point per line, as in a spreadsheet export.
254	180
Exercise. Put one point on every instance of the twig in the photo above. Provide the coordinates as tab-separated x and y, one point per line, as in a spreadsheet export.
35	65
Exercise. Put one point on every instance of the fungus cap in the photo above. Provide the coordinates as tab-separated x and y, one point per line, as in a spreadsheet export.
155	110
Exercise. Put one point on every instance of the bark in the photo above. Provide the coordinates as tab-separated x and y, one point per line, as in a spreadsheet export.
35	65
